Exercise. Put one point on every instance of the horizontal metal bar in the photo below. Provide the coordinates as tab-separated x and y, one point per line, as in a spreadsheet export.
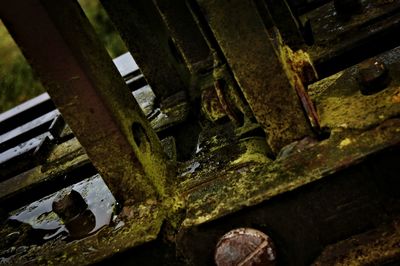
66	164
27	131
25	112
347	42
23	156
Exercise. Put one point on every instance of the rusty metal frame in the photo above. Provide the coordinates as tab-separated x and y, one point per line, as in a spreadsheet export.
144	33
86	87
261	71
121	144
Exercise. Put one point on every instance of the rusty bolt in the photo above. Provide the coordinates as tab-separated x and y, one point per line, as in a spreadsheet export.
68	204
373	76
245	246
81	225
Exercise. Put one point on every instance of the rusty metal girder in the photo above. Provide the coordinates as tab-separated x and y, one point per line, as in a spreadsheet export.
145	34
91	95
286	21
259	67
186	35
341	43
314	193
217	191
375	247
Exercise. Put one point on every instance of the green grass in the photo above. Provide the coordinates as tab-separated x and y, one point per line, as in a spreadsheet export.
18	83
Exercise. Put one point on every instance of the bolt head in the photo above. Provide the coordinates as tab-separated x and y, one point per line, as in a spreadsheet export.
82	225
373	76
245	246
68	204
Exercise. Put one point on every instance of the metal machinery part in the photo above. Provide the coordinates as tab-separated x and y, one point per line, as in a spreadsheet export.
275	121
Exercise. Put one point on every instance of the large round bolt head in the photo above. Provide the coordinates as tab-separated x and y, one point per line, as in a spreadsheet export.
373	76
245	246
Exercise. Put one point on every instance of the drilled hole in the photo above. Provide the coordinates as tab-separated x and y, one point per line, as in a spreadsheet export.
139	136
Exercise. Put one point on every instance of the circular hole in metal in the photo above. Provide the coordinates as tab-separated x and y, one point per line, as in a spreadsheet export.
139	136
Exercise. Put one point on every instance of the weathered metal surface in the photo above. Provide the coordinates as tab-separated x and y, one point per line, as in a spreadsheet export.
261	71
69	154
186	35
145	34
340	103
142	226
343	43
211	105
245	247
42	104
24	156
317	194
375	247
175	110
373	76
214	195
230	96
233	177
99	202
58	169
95	104
287	22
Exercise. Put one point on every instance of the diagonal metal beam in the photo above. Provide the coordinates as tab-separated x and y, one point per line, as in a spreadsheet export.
262	71
186	35
147	38
61	46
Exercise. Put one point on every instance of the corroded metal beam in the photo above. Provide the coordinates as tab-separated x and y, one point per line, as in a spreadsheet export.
61	46
146	36
186	34
260	68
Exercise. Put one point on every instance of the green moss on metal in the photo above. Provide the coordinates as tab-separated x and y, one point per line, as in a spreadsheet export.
340	103
251	183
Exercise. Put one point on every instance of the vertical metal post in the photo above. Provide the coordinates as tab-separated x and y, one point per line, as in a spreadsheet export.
186	34
147	38
286	22
260	68
61	46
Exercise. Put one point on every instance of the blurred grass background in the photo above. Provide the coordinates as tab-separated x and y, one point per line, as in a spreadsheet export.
18	83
